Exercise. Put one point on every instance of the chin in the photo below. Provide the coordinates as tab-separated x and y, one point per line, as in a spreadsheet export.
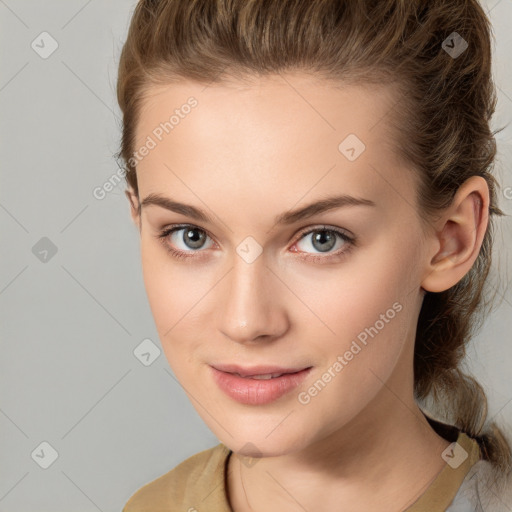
256	443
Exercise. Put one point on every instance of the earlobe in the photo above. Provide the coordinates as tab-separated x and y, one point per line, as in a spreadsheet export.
458	237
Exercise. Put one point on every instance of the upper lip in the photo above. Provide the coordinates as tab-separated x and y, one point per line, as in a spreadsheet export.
256	370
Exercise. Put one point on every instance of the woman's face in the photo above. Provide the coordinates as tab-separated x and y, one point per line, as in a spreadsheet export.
260	286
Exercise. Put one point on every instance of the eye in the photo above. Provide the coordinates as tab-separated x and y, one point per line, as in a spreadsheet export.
324	239
186	238
184	241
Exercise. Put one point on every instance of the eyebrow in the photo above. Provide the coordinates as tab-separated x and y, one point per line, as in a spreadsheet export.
289	217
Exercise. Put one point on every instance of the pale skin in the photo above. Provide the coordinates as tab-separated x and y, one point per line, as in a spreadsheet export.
245	154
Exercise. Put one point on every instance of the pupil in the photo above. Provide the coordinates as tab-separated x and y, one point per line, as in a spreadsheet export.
191	240
322	237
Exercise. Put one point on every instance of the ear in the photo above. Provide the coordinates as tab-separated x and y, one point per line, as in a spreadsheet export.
457	236
134	205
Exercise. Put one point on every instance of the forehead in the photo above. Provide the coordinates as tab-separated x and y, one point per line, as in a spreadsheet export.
266	133
303	104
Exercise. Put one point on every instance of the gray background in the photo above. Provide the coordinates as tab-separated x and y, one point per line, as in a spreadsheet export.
71	319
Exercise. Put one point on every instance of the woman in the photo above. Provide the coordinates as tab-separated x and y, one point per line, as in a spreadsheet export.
312	186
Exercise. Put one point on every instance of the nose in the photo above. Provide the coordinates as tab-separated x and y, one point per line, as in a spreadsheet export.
252	306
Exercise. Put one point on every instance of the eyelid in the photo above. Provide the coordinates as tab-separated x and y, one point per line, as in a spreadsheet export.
322	227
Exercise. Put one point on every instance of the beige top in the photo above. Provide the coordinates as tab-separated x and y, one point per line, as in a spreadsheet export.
199	484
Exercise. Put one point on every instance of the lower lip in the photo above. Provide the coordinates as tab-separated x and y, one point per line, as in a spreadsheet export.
257	391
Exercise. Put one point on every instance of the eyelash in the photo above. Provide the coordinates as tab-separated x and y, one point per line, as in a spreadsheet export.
350	241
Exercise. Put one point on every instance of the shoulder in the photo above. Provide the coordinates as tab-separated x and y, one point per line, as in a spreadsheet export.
483	490
186	486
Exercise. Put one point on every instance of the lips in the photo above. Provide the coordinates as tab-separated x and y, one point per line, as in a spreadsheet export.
260	370
257	385
265	376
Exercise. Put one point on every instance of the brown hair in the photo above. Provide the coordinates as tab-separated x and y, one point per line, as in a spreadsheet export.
441	120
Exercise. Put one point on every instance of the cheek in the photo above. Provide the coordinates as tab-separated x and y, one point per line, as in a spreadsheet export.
370	308
175	291
369	348
157	282
170	290
366	291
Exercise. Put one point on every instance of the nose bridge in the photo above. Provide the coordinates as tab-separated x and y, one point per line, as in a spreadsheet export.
251	305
